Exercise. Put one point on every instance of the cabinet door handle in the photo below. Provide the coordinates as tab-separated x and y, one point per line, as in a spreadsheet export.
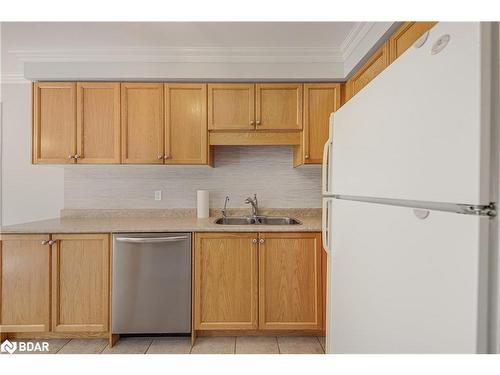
71	157
261	240
307	156
254	240
52	242
45	242
77	156
159	157
258	122
252	123
165	157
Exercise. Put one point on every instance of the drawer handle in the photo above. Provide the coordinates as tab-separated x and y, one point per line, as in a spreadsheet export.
151	239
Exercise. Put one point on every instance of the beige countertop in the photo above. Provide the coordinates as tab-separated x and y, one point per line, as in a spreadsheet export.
178	220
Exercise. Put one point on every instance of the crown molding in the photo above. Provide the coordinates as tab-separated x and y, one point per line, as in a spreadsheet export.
183	54
314	63
13	78
354	38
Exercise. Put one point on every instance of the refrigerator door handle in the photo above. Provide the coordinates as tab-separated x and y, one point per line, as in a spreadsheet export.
326	224
325	167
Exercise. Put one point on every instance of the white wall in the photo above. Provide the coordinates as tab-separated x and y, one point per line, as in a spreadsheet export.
494	343
29	192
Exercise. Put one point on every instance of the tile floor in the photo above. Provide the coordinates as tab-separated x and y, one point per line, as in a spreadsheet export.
182	345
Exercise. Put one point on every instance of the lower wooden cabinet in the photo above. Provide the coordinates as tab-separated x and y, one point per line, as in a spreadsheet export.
226	281
25	283
280	273
57	283
290	275
80	283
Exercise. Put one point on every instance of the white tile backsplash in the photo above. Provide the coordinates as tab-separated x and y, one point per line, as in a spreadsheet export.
239	172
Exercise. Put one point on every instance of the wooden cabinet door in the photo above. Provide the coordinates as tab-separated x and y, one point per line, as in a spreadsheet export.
54	122
405	36
372	68
186	138
290	293
80	283
24	283
142	123
98	122
231	106
225	277
320	100
278	106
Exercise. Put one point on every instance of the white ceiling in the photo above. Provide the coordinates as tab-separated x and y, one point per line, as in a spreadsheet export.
175	50
184	34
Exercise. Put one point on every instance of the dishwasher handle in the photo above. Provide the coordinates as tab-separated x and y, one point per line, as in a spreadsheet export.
151	239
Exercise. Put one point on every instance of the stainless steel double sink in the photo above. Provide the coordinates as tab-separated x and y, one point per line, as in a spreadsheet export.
258	220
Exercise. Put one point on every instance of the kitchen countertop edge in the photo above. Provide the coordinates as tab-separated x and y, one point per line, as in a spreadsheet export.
152	225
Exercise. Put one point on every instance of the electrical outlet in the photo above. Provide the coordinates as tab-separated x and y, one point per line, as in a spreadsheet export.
157	195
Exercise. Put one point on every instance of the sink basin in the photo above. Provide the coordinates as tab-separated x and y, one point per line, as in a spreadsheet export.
235	221
275	220
258	220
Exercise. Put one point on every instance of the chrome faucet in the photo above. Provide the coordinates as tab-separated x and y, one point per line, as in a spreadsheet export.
224	210
254	203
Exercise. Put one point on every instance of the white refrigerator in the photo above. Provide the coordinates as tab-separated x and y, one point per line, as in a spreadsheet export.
406	207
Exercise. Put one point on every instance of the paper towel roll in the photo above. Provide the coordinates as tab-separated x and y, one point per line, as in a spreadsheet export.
202	203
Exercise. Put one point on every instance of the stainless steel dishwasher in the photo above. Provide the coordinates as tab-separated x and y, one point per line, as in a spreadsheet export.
151	283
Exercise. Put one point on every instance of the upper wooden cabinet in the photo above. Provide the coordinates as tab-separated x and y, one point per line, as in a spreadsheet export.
320	100
186	138
405	36
290	281
142	123
278	106
76	122
372	68
80	283
397	44
25	283
225	281
54	122
267	106
231	106
98	122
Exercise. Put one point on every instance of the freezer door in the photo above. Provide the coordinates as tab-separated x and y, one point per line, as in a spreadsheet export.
420	130
405	280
